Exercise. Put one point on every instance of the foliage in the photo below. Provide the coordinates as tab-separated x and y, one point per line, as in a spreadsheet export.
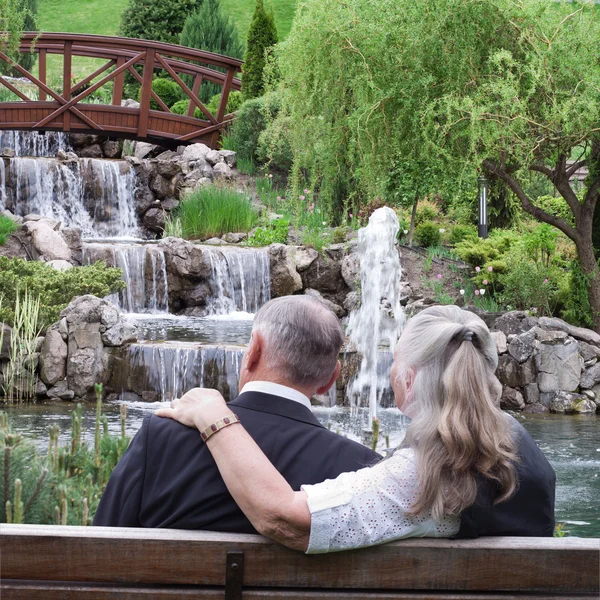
234	101
428	234
274	145
54	288
427	211
575	297
556	206
214	210
63	487
275	232
173	227
166	89
7	226
460	233
25	18
211	29
159	20
262	35
18	374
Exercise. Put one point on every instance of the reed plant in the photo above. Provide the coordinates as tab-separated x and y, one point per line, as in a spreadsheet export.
214	210
18	381
7	226
63	487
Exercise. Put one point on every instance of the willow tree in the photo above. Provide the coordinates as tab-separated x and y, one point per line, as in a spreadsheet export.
503	87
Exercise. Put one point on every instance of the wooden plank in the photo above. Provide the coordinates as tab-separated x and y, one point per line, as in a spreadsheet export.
42	73
149	556
67	72
117	96
146	93
49	591
195	90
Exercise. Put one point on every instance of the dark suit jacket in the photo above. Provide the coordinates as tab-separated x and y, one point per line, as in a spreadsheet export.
168	478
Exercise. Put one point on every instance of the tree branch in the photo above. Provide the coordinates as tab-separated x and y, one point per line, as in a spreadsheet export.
575	167
528	207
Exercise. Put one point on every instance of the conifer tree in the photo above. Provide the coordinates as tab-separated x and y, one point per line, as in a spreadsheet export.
21	15
261	36
209	28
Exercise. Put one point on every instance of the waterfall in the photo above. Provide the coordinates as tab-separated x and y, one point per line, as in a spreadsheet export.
2	185
33	143
170	370
240	280
144	272
94	194
379	320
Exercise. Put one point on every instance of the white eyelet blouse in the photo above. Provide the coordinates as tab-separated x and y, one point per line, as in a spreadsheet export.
368	507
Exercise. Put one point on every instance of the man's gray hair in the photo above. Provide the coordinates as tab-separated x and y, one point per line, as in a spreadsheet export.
302	339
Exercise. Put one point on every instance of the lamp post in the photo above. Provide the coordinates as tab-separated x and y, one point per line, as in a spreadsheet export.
482	226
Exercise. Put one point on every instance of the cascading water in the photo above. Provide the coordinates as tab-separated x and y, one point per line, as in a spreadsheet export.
240	280
144	272
169	370
379	320
95	195
2	186
33	143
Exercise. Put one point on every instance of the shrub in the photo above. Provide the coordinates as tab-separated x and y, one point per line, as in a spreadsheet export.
575	298
461	233
275	232
28	20
7	226
557	207
159	20
166	89
476	252
426	211
262	35
234	102
213	210
274	145
209	28
428	234
54	288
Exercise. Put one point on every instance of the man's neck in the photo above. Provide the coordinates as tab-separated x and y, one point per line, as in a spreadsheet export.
308	391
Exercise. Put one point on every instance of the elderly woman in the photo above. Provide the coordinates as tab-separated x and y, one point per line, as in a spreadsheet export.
464	469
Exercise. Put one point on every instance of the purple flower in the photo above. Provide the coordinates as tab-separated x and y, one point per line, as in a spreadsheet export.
485	282
302	197
439	275
545	280
478	269
490	269
278	198
307	191
477	292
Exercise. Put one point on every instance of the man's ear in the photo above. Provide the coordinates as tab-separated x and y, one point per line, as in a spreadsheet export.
325	388
255	350
410	379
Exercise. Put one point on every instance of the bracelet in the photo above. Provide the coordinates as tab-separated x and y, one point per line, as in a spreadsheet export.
218	425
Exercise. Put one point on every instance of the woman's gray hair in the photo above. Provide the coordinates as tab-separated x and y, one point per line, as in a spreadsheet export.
302	339
458	431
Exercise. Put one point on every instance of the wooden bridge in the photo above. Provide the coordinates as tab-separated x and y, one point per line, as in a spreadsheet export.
72	108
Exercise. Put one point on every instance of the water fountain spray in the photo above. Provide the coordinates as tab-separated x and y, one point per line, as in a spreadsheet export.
379	320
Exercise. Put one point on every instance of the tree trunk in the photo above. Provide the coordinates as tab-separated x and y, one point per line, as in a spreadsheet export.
591	269
413	218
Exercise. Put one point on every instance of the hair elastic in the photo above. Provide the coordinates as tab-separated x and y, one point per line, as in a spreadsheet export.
468	336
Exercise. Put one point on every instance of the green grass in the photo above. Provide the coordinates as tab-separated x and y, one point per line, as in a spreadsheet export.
213	211
7	226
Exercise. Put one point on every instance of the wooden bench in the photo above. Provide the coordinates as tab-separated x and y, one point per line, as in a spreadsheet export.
65	563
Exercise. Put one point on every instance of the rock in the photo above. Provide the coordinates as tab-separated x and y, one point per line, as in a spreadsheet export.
214	157
351	270
195	152
61	391
169	204
285	280
583	406
304	257
559	366
111	149
143	149
89	309
201	170
579	333
161	186
134	161
72	236
531	393
591	377
84	369
185	259
60	265
40	389
79	140
123	332
93	151
564	402
130	103
234	238
500	339
334	308
66	156
198	295
229	156
511	399
515	322
596	391
522	346
514	374
535	408
7	153
154	219
325	275
214	241
167	156
32	217
63	329
5	333
222	171
49	243
166	168
352	301
550	337
30	224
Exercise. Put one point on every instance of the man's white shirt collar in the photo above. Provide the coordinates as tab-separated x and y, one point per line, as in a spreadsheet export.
276	389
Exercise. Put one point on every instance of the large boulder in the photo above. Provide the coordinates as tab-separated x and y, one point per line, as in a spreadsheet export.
566	402
579	333
591	377
194	152
155	219
49	243
184	259
304	257
285	280
522	346
122	332
516	322
351	270
53	357
511	399
513	374
559	365
334	308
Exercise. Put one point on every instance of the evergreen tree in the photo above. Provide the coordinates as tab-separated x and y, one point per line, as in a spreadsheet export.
261	36
158	20
21	14
209	28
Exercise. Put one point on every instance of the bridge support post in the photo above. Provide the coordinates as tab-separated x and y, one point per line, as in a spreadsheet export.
146	93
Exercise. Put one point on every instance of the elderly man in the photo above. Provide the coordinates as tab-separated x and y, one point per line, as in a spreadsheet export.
168	478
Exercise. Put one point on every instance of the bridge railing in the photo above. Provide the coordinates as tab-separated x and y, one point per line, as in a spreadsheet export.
68	108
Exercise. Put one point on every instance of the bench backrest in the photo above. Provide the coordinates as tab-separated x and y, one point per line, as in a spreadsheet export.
54	562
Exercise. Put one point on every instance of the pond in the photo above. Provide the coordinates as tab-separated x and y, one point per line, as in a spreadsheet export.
571	443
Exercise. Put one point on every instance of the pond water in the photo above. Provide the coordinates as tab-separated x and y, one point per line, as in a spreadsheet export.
571	443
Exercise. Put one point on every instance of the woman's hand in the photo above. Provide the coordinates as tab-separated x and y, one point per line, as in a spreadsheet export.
200	407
